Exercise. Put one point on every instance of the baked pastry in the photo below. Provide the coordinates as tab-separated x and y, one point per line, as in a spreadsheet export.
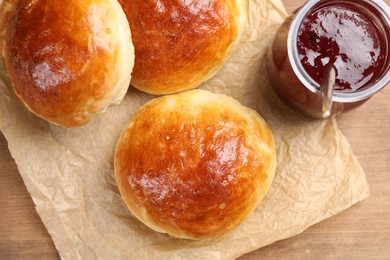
181	44
195	164
67	60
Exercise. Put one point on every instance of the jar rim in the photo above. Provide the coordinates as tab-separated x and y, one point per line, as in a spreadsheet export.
306	79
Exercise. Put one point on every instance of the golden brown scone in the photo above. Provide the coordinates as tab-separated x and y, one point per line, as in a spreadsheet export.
181	44
67	60
195	164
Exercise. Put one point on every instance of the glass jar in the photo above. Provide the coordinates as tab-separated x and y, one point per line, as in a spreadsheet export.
350	36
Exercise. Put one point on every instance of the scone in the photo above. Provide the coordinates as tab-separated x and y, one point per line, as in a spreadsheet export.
195	164
67	60
181	44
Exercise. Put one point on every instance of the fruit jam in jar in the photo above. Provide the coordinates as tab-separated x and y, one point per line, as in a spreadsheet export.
352	37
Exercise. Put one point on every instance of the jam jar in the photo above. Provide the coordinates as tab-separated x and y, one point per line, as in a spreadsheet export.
350	38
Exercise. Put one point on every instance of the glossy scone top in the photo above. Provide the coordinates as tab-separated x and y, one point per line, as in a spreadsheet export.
67	60
181	44
195	164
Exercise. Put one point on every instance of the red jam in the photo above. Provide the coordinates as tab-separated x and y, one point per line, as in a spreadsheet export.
342	35
353	36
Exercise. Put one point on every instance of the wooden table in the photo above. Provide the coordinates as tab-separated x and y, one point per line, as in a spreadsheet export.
361	232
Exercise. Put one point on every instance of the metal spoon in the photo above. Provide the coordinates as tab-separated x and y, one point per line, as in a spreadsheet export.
327	90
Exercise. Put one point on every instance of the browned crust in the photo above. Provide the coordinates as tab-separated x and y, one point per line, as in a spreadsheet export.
194	164
180	44
63	57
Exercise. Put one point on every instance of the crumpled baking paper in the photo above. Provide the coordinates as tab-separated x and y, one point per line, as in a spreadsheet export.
69	172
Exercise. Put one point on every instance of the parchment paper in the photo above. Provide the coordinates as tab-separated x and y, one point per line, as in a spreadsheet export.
69	172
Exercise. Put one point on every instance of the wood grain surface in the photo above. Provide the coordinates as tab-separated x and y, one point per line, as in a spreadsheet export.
361	232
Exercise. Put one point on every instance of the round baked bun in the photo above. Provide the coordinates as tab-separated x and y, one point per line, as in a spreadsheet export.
181	44
67	60
195	164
